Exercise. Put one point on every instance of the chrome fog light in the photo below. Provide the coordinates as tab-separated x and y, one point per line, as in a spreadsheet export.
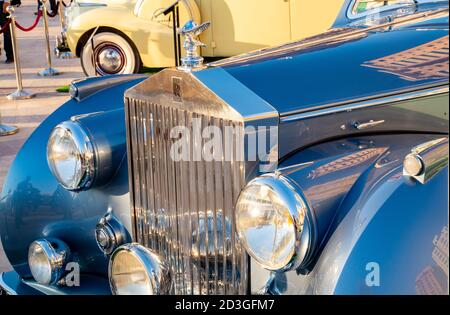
109	234
105	238
71	156
47	260
273	223
136	270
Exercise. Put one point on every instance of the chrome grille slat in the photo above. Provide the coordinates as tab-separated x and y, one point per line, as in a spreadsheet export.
136	156
142	167
203	215
184	210
219	205
187	224
151	215
228	196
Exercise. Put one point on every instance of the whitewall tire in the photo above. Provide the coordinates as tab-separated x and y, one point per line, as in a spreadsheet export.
112	54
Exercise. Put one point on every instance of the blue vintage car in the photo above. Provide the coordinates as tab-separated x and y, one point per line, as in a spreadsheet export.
336	181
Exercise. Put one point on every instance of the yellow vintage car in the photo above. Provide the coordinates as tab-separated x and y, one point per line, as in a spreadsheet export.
121	36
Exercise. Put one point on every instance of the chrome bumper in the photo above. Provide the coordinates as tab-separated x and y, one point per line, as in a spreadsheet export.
62	49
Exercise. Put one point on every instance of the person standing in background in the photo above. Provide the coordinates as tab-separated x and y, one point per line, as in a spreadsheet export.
52	6
7	44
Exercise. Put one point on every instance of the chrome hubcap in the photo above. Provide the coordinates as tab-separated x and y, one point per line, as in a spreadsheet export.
110	59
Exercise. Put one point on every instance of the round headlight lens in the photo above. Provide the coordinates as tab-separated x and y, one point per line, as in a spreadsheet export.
135	270
271	220
47	261
70	155
40	266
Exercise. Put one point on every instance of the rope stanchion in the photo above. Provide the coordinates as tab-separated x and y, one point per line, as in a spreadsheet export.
49	71
6	130
28	29
20	93
62	22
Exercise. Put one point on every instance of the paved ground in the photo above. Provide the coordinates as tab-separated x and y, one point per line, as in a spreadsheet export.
28	114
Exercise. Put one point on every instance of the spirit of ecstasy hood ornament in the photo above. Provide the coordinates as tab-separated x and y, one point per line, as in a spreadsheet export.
191	31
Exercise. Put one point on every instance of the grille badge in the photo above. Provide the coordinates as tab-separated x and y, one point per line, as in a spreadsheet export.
177	89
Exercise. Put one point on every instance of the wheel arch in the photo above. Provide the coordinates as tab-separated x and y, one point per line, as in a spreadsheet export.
102	29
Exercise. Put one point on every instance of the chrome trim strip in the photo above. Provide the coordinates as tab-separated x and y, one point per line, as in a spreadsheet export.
237	95
332	109
5	287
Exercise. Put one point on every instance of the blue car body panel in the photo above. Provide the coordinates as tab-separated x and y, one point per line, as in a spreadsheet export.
348	69
367	214
398	238
33	205
375	217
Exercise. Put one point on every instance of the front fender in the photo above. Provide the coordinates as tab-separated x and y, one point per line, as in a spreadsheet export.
118	18
33	205
377	228
392	233
153	41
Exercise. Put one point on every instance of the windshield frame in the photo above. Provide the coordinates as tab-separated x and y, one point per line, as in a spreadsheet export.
352	16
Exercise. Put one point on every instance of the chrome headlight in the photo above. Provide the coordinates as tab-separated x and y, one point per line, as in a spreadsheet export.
73	91
71	156
136	270
47	260
273	223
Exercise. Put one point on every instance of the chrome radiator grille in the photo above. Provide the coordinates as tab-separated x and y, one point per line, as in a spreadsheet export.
184	210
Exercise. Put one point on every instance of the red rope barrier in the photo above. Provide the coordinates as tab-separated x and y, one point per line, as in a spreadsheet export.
27	29
5	26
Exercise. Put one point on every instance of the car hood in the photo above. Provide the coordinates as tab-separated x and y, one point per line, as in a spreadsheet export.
344	65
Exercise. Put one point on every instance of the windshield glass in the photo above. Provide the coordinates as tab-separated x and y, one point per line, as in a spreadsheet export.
362	6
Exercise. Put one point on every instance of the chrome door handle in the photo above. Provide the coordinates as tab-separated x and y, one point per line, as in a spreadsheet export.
367	125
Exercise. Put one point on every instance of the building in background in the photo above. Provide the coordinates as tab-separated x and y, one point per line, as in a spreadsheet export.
429	282
426	61
434	279
440	250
